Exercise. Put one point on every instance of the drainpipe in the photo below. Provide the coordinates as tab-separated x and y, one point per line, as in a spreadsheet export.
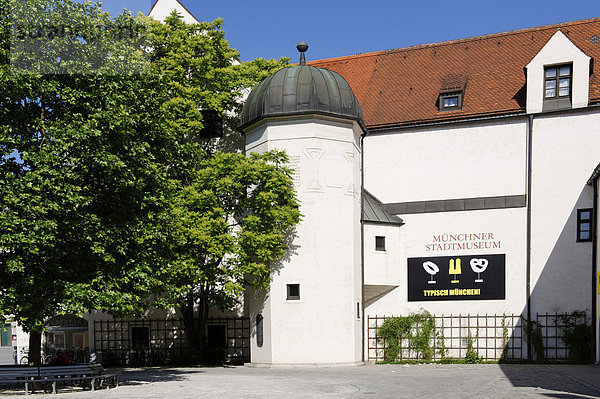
528	261
595	272
362	246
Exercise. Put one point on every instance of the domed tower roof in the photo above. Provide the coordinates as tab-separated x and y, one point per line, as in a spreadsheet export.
301	90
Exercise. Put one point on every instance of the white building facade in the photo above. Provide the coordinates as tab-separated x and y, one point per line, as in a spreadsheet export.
476	157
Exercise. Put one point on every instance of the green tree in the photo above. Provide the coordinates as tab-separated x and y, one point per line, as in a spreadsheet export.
203	76
231	223
231	214
101	154
82	169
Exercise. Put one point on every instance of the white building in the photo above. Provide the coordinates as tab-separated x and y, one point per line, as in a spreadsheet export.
476	155
163	8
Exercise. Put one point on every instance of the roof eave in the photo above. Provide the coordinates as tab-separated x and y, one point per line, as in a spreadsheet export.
243	128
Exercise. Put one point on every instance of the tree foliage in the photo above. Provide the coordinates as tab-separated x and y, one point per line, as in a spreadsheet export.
82	175
110	196
229	225
82	169
231	214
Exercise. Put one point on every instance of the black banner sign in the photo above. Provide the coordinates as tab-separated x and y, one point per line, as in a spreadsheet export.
451	278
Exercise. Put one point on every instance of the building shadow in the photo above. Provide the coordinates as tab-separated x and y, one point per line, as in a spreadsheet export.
548	378
564	285
566	279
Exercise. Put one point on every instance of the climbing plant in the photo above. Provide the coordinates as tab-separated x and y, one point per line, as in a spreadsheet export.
577	335
534	332
414	332
472	355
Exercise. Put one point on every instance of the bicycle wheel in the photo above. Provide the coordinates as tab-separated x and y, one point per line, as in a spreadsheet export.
24	360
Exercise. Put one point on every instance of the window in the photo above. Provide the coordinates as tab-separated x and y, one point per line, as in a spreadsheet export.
584	225
259	330
450	101
379	243
557	81
5	336
59	340
293	291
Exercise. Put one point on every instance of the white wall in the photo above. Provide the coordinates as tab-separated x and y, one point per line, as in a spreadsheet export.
477	159
565	153
324	257
383	267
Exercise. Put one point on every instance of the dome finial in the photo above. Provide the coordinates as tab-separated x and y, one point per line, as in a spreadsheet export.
302	47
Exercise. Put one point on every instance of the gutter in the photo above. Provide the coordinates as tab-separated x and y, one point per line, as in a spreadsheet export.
528	256
415	124
595	279
362	246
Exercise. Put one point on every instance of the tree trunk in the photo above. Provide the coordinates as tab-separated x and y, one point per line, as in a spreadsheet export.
35	348
195	327
191	329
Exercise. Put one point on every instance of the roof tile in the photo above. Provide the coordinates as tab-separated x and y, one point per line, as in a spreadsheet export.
401	86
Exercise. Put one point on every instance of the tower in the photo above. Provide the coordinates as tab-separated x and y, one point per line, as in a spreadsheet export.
311	313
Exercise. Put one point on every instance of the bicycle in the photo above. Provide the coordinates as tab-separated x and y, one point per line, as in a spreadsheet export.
24	355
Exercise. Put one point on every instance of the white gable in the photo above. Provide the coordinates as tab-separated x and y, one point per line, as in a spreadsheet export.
558	50
163	8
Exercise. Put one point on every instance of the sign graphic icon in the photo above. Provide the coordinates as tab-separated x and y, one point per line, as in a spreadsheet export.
454	269
479	266
432	269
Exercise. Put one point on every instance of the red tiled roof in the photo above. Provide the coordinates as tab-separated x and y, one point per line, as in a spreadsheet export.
401	86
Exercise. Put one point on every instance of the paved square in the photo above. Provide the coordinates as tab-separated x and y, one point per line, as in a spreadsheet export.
369	381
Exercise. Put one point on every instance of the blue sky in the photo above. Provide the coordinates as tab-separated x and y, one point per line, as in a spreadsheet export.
271	29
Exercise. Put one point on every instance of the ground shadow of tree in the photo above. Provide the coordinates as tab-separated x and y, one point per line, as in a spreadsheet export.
140	376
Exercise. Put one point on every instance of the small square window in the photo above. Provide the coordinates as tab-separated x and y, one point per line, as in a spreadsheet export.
293	291
380	243
584	225
450	101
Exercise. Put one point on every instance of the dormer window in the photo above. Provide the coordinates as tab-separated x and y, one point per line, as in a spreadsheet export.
558	77
450	101
557	81
452	92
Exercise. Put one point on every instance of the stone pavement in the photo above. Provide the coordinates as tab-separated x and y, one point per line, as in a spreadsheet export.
369	381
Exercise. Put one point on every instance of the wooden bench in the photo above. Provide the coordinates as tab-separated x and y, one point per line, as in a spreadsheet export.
47	376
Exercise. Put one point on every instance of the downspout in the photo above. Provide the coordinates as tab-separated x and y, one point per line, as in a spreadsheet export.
362	247
528	260
595	272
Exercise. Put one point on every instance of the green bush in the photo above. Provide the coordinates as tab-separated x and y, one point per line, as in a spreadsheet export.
417	330
577	335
